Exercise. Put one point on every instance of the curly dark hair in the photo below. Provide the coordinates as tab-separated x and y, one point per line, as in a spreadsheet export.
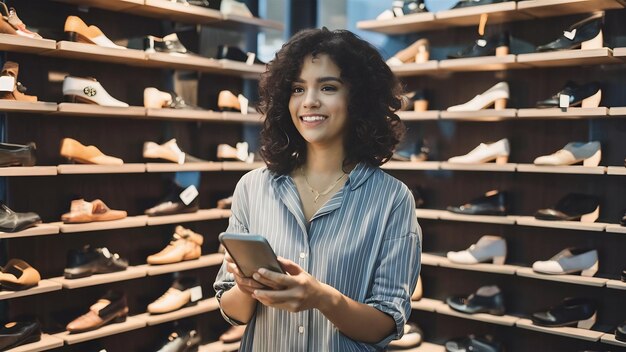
373	128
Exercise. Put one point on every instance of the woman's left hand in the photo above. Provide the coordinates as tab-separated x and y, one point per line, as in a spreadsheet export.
299	290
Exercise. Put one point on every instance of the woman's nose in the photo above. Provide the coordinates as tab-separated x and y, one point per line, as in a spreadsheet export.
311	100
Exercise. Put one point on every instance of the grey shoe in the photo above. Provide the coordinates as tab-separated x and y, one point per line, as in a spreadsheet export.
570	260
575	152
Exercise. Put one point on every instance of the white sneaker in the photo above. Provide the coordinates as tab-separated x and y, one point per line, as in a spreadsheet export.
156	99
496	95
487	248
570	260
88	90
575	152
168	151
232	7
484	153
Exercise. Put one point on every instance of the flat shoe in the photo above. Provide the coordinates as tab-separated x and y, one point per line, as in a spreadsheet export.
74	150
17	275
82	211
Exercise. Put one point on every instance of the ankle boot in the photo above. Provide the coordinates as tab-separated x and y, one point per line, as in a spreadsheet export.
10	88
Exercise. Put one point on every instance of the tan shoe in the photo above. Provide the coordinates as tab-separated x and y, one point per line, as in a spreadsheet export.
227	101
18	275
234	334
82	211
184	245
10	88
418	52
78	31
110	308
178	296
74	150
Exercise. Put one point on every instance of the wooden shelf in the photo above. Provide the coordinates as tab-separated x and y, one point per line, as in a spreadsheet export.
47	342
130	273
427	304
491	219
101	169
550	8
615	228
241	166
571	279
616	170
620	52
616	284
131	323
128	222
83	51
18	43
200	215
203	306
432	259
37	230
181	114
569	113
171	167
239	117
427	347
481	115
411	165
44	286
576	169
568	58
74	109
570	225
401	25
483	267
610	339
183	61
237	68
414	69
484	63
617	111
111	5
479	167
28	171
506	320
24	106
202	262
433	214
220	346
588	335
418	115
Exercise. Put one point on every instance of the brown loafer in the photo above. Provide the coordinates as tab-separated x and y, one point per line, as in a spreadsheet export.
110	308
185	245
82	211
18	275
74	150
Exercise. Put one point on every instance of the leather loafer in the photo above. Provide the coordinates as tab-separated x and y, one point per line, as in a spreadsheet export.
620	332
572	207
89	261
182	341
172	204
581	34
235	54
11	221
487	299
15	334
17	154
568	261
176	297
492	203
111	308
78	31
17	275
86	154
497	45
82	211
587	96
474	344
88	91
579	312
184	245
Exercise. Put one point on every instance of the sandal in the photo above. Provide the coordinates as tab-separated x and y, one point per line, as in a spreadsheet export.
82	211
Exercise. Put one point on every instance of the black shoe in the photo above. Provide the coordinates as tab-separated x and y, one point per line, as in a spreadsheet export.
88	261
168	44
571	207
620	332
487	299
15	334
17	154
469	3
235	54
182	341
473	343
575	35
576	94
11	221
568	313
172	204
492	203
483	47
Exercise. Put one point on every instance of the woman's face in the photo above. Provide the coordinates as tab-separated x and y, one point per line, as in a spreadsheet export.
319	102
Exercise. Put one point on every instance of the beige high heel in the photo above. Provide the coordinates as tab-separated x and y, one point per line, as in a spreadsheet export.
418	52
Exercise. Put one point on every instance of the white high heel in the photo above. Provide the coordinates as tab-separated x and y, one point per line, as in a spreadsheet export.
496	95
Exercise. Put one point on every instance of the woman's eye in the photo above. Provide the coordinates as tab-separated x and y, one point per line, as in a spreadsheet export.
297	90
329	88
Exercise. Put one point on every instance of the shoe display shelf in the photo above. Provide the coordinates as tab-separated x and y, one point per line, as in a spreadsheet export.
572	279
179	12
486	63
239	117
611	340
220	346
214	259
23	106
616	284
440	307
569	225
10	42
620	53
93	110
47	342
241	166
498	13
617	111
577	333
437	260
43	287
427	347
481	115
615	228
76	169
575	169
418	115
203	306
569	113
508	167
411	165
28	171
414	69
171	167
131	323
37	230
200	215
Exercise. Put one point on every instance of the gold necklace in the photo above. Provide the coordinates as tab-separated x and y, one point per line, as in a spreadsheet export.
317	194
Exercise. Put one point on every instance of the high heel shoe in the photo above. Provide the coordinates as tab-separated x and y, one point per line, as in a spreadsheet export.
587	153
415	101
11	24
496	96
587	96
418	52
586	34
78	31
497	45
10	88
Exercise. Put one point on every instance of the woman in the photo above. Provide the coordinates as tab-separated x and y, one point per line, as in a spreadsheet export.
346	232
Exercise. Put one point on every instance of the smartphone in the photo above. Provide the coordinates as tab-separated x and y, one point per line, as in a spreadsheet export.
250	252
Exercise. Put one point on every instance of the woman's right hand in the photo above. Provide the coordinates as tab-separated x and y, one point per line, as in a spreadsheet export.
245	285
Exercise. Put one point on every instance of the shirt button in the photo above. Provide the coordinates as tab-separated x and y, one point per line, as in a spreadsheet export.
302	255
301	329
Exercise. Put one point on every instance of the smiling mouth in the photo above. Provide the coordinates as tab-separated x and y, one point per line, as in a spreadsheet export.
313	118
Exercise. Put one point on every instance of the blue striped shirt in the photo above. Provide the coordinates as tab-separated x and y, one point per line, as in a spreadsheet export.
365	242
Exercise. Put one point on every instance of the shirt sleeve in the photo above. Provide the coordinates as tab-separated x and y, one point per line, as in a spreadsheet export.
401	249
238	224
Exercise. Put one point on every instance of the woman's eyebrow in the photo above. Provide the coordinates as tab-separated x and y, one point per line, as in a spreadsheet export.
320	80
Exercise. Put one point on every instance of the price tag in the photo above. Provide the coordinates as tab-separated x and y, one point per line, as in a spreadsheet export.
564	101
196	293
250	60
189	194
